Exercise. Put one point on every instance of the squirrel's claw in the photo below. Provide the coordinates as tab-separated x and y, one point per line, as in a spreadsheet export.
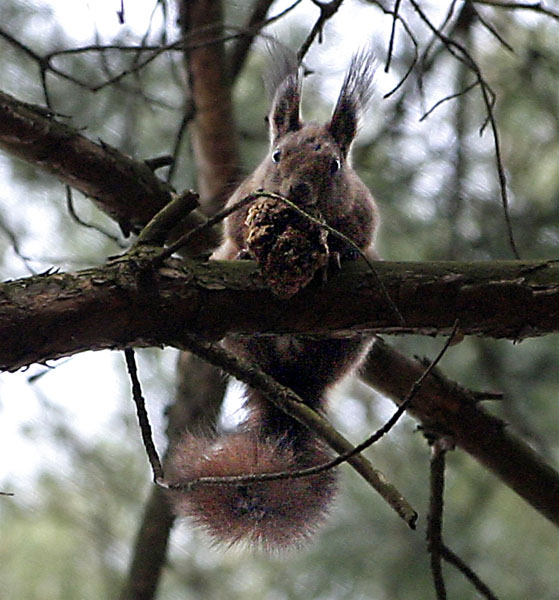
336	260
243	254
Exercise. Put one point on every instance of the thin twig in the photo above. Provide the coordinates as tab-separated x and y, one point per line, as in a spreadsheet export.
143	418
45	63
454	560
435	545
392	35
449	14
461	54
15	247
435	516
80	221
157	230
188	115
447	98
327	11
532	6
184	239
397	17
492	29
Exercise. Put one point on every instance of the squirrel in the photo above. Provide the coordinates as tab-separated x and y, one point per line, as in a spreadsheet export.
309	164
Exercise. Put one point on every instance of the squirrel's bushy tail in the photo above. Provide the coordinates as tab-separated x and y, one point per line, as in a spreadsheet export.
273	514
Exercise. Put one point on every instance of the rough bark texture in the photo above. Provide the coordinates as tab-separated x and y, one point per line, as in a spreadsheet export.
446	408
120	304
128	303
147	566
124	188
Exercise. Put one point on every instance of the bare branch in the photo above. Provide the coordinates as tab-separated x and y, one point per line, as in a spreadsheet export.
437	549
129	302
341	458
395	17
537	7
186	239
491	28
143	419
73	214
415	45
157	230
435	516
124	188
470	575
200	391
462	54
447	98
15	247
327	11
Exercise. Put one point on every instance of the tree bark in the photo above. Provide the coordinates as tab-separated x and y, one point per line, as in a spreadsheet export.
201	386
444	407
124	188
127	303
214	133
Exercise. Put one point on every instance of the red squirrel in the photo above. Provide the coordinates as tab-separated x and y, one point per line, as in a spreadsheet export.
308	164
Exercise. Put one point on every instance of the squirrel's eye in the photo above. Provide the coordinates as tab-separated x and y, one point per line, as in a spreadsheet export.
335	165
276	156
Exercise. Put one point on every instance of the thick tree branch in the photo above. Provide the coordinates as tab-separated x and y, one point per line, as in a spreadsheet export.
446	408
127	303
124	188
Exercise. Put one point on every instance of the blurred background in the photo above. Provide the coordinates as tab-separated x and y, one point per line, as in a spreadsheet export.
71	450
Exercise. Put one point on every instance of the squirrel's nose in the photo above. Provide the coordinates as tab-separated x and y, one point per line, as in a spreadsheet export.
301	193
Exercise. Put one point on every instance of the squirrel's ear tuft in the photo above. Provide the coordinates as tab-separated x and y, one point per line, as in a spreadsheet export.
272	515
284	116
284	84
355	95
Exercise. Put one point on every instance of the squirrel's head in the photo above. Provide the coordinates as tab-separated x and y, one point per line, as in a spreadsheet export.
308	162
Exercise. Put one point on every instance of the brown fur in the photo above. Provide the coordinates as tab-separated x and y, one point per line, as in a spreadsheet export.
273	514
